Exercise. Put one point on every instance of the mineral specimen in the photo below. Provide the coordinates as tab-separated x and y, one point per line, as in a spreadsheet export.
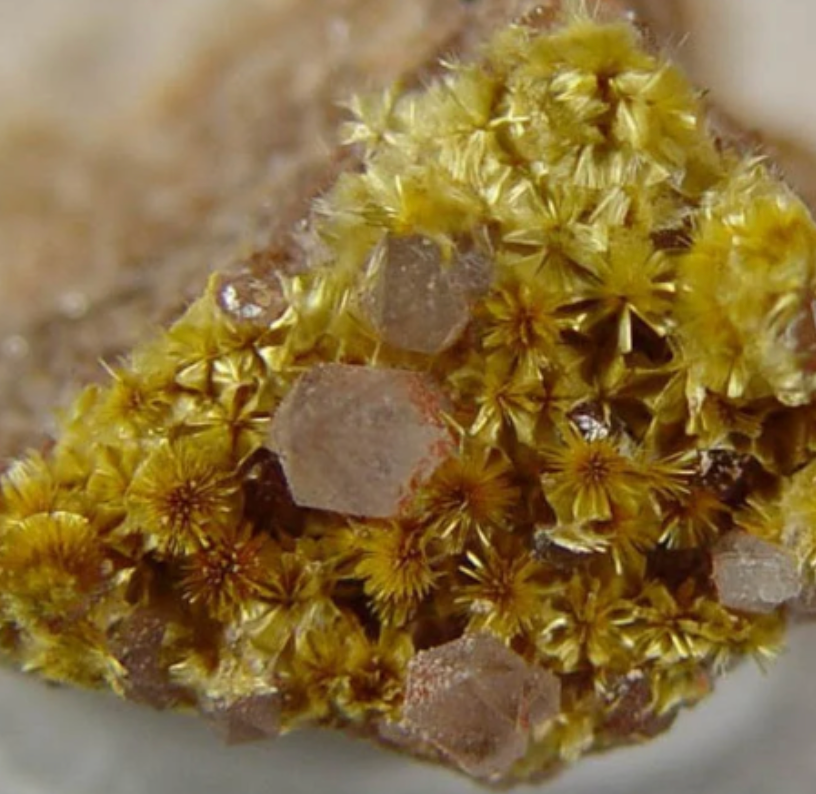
357	440
247	297
630	708
246	719
753	575
136	644
478	703
415	301
513	464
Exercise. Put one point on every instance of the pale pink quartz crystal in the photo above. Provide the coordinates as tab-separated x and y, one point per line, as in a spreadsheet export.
753	575
477	703
358	440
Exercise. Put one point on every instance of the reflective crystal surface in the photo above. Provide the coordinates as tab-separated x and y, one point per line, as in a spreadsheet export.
136	644
631	709
358	440
753	575
247	719
416	299
249	297
477	702
726	473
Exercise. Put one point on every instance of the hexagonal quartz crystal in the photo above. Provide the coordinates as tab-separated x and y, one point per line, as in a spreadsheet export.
477	702
246	719
418	301
753	575
358	440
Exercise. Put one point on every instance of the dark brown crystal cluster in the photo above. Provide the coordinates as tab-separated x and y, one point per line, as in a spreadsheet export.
508	468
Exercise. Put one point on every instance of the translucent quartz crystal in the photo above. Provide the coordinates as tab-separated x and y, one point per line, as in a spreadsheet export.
753	575
248	297
246	719
136	644
631	713
416	300
358	440
477	702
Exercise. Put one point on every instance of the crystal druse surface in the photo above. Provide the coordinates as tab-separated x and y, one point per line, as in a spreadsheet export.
512	463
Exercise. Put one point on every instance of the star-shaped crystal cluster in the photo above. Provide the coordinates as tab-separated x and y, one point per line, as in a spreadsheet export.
509	469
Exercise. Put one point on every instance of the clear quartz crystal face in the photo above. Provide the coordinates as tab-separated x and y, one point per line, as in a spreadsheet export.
247	297
477	702
753	575
359	440
418	298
